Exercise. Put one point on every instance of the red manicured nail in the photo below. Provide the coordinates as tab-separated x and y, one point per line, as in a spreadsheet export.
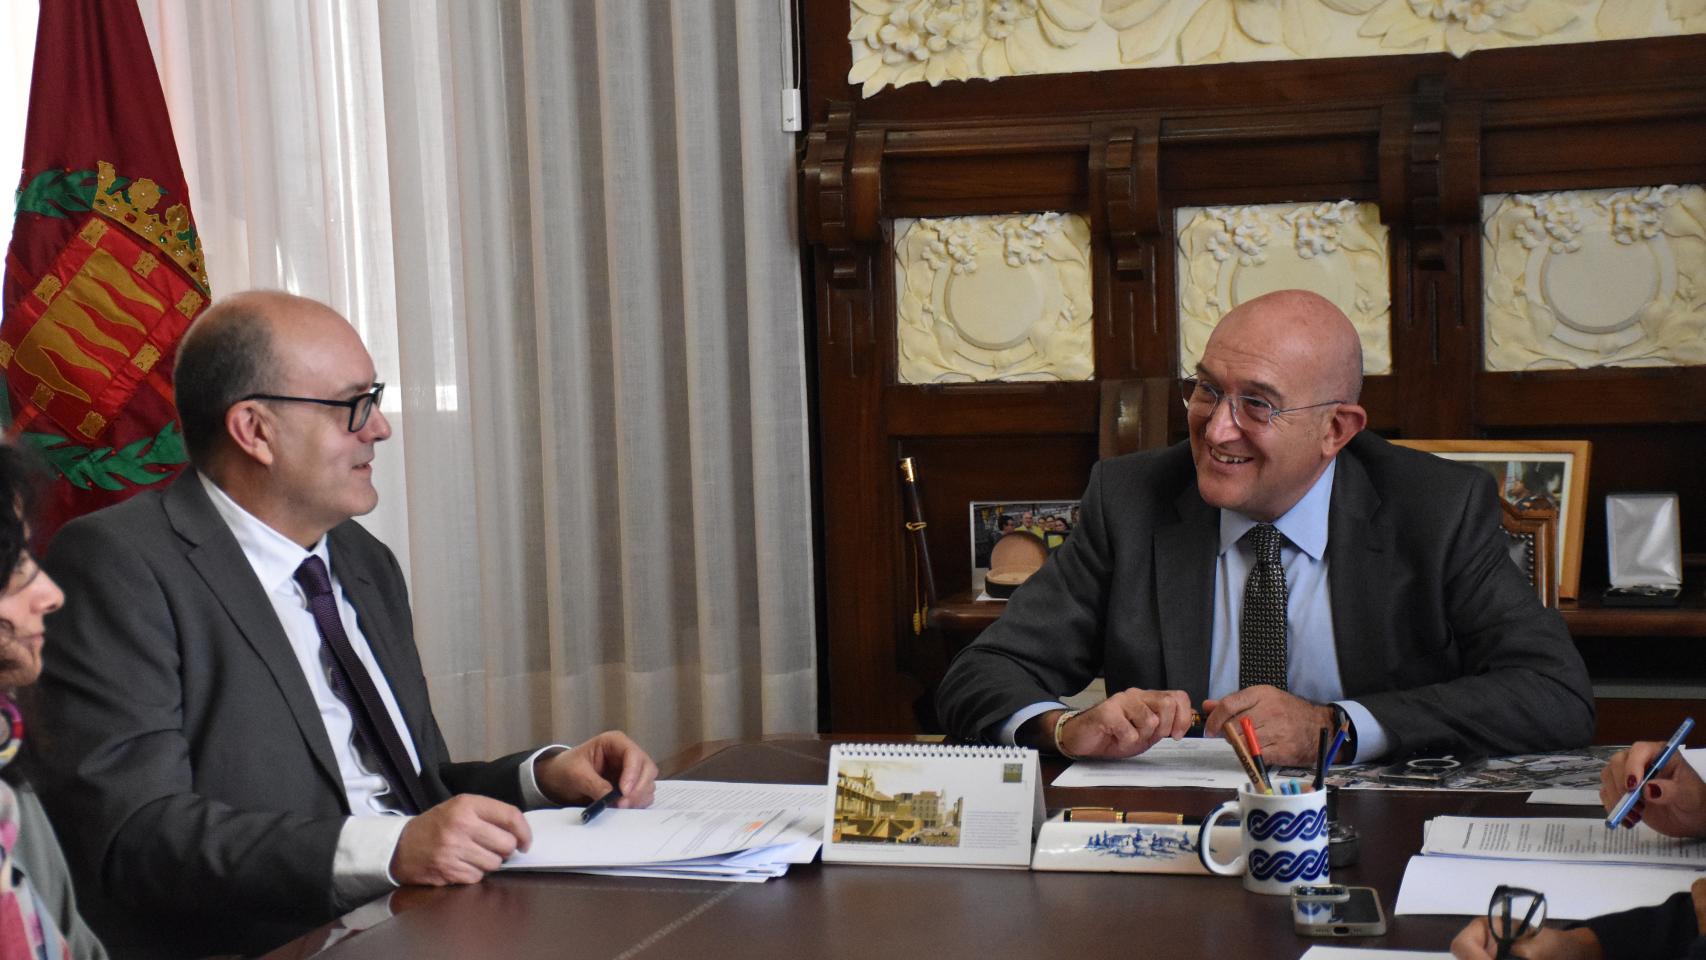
1631	785
1654	791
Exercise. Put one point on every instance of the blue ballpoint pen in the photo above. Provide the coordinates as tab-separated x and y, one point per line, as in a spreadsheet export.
1627	804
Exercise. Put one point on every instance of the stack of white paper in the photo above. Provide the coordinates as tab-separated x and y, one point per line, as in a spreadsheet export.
1190	762
1583	868
705	830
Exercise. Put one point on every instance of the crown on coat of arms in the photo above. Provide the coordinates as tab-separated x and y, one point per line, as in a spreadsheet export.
173	234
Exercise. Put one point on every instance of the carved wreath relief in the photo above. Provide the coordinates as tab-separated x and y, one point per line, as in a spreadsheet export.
1592	278
993	298
1227	255
897	42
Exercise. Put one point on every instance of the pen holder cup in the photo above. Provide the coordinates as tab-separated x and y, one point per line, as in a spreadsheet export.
1283	840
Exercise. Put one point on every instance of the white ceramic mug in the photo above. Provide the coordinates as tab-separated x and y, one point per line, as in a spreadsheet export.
1284	840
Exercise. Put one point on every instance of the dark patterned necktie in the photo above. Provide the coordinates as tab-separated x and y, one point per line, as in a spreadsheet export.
354	686
1261	630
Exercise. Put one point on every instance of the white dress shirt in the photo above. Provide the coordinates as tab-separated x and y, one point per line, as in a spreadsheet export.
1312	658
361	865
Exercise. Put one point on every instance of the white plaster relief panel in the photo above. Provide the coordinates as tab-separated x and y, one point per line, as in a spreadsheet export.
1337	248
993	298
1594	278
897	42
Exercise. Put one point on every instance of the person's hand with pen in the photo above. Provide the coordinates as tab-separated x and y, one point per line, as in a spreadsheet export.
1124	725
1673	802
591	770
1288	725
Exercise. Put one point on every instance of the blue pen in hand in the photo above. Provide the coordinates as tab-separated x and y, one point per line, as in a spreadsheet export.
1627	804
597	806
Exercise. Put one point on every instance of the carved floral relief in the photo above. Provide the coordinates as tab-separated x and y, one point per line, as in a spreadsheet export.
897	42
1337	248
1594	278
994	298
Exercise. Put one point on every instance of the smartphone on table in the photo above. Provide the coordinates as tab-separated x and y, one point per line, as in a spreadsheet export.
1335	910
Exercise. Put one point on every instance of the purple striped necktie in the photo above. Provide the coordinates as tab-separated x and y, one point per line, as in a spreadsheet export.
354	686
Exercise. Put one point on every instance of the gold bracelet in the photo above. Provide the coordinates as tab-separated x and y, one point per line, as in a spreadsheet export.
1059	725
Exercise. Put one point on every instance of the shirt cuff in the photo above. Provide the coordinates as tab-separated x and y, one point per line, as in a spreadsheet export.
533	798
361	865
1371	736
1010	730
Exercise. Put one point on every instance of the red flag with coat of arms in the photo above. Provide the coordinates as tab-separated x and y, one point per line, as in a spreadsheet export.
105	270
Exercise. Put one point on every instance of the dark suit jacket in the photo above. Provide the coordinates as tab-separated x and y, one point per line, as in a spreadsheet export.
1437	632
177	746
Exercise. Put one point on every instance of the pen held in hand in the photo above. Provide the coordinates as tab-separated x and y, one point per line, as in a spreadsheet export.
1624	806
597	806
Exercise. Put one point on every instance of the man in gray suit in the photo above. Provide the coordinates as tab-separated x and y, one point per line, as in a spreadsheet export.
242	742
1283	566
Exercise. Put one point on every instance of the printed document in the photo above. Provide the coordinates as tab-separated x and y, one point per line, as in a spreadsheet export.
708	829
1559	840
1190	762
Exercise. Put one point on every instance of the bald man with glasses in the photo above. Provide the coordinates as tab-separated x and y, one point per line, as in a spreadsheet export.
243	743
1284	566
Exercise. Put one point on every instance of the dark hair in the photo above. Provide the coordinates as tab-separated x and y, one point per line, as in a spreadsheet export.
20	473
19	476
226	356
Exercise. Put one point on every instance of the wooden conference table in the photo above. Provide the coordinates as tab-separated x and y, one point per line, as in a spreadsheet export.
869	912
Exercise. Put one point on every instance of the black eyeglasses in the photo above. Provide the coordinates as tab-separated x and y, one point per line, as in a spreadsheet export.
1201	397
1514	914
360	407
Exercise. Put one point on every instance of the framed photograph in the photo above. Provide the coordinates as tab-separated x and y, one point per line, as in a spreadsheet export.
1049	520
1557	469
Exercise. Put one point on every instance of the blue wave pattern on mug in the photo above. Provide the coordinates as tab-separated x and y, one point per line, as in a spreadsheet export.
1286	827
1288	867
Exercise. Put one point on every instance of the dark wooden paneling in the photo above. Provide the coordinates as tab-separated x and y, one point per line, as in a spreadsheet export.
943	186
1543	153
952	473
1625	720
992	409
1297	167
1629	395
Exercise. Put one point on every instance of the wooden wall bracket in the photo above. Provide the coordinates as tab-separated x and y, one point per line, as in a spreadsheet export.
842	194
1430	169
1125	176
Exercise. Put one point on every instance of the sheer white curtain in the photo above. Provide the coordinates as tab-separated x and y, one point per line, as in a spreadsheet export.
566	233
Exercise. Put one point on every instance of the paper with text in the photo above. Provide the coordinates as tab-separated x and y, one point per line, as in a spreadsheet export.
1559	840
1190	762
634	837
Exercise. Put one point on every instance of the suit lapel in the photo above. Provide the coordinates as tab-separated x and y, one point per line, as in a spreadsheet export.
215	555
1359	572
1184	584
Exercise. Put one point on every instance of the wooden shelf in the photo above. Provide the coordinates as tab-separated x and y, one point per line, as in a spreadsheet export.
962	613
1588	617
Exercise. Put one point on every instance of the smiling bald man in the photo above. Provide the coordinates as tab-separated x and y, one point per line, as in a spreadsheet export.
1285	566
